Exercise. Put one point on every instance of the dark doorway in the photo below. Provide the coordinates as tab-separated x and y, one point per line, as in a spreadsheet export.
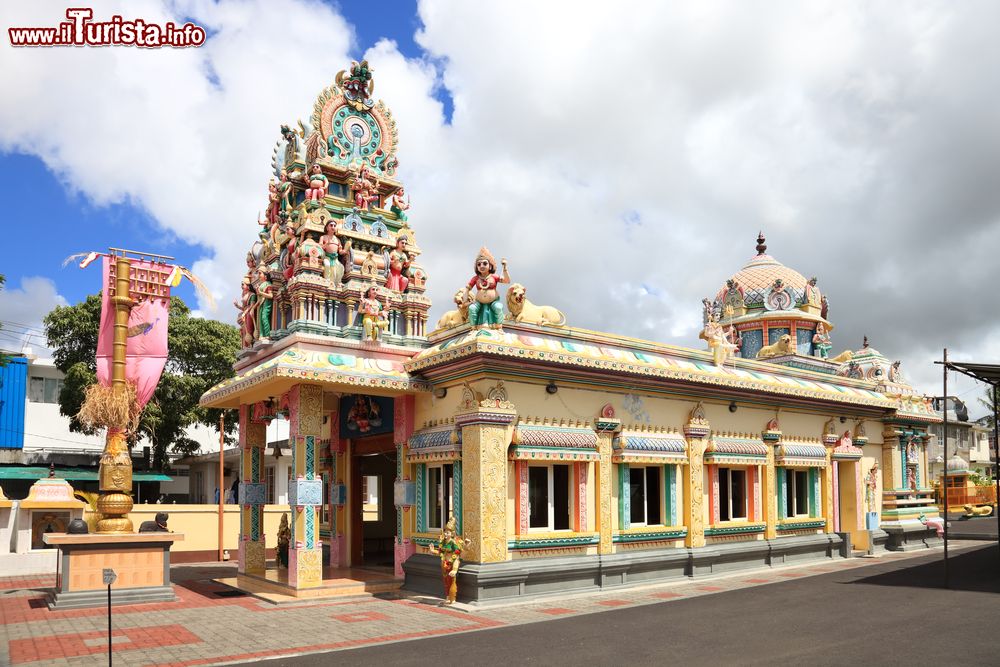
373	517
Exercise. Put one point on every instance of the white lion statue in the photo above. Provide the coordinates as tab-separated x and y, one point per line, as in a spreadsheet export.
458	317
523	311
782	347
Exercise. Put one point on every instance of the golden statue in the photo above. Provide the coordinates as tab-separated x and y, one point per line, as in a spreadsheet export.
284	540
449	547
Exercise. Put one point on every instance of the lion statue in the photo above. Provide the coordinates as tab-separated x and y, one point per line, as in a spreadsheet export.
458	317
523	311
843	357
782	347
977	510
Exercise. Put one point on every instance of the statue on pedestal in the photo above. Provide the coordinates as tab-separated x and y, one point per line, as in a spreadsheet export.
373	315
399	267
284	539
318	184
821	342
333	265
449	548
486	309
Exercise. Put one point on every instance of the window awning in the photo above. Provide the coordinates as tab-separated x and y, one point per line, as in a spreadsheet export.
39	472
800	455
536	442
735	450
654	447
437	443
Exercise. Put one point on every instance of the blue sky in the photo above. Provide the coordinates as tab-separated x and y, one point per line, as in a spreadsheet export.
39	199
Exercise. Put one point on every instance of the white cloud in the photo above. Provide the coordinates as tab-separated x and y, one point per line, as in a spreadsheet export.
600	150
22	309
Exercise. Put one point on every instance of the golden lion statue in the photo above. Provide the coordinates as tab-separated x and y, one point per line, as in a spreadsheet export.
782	347
843	357
978	510
522	310
455	318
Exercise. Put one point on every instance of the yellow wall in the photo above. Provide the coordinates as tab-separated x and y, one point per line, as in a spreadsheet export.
200	525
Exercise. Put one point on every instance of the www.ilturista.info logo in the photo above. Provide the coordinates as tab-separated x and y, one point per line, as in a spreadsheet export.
80	30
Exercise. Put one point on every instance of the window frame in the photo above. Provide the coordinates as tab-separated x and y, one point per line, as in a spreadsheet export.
446	487
550	497
792	490
727	472
657	471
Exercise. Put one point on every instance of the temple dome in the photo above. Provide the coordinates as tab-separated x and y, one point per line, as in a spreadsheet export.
759	275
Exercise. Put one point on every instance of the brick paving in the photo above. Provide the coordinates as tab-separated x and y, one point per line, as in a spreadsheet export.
202	628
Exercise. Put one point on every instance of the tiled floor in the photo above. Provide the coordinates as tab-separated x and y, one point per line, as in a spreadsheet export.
202	628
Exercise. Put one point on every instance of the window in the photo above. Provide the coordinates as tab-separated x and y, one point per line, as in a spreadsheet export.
324	511
440	494
44	390
370	498
549	502
269	485
796	493
732	494
644	496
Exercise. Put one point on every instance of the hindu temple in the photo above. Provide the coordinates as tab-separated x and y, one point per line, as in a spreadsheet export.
568	459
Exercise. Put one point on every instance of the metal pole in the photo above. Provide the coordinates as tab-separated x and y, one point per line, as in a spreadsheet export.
222	430
944	482
109	625
996	460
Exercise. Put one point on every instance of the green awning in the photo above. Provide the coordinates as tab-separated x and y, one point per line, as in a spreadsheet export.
23	472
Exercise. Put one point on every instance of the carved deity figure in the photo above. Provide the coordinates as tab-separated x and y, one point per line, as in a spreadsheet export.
449	548
399	203
334	251
871	485
284	541
821	342
265	300
824	307
373	320
318	184
399	267
718	343
487	309
273	203
811	293
894	374
364	185
309	255
284	188
247	305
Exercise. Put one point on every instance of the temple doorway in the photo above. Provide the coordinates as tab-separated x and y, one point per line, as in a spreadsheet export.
373	515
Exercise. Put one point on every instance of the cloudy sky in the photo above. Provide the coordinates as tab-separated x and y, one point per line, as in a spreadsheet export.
622	156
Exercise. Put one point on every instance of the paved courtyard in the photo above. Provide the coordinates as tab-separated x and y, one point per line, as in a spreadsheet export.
208	625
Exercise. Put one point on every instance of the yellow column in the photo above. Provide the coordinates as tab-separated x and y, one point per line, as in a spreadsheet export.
606	430
892	472
769	486
826	483
253	438
696	431
486	432
305	491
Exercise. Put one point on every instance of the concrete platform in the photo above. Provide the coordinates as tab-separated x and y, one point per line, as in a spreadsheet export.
337	583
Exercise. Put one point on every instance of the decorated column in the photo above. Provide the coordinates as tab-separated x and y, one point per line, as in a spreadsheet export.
486	432
305	491
252	494
338	492
771	437
893	475
607	427
828	486
696	431
403	422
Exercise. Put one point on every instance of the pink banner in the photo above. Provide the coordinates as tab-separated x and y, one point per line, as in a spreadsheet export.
146	352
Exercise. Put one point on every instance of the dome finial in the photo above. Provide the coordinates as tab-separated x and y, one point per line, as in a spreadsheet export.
761	248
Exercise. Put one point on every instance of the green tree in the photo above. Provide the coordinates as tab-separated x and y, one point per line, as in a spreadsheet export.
987	401
200	354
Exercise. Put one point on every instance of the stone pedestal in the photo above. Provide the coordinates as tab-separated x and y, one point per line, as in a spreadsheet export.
141	561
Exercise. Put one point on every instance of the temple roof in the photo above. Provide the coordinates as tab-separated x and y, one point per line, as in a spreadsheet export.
616	355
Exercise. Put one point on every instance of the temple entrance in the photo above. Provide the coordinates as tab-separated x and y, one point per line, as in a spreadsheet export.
373	515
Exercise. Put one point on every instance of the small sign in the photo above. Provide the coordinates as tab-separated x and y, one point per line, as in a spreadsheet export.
109	576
